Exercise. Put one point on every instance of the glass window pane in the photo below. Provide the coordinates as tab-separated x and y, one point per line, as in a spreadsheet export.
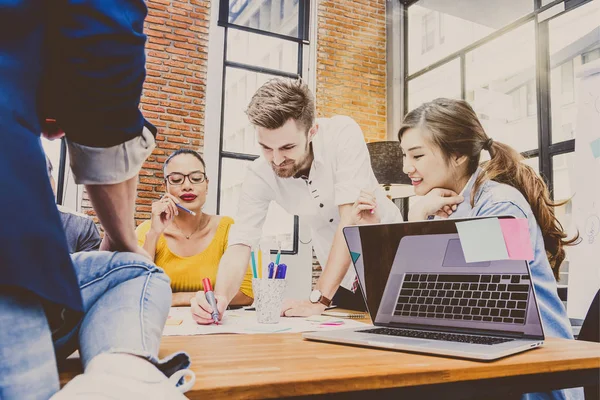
52	150
268	15
443	81
262	51
501	87
72	193
574	40
437	28
533	162
238	133
279	226
562	166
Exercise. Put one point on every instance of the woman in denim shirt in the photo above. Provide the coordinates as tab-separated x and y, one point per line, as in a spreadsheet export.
442	143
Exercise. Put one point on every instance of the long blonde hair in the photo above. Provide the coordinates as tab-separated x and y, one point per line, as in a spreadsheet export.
456	130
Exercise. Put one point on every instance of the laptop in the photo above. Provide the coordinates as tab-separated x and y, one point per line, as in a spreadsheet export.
424	297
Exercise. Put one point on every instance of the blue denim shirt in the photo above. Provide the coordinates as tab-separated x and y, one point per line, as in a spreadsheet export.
495	198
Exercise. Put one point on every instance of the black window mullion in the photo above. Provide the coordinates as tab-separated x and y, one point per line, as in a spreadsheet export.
463	77
543	100
222	123
261	70
303	32
567	146
62	166
404	56
262	32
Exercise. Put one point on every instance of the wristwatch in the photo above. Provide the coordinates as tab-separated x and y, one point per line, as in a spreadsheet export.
317	297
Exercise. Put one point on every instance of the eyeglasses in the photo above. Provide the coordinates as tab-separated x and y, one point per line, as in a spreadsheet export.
176	178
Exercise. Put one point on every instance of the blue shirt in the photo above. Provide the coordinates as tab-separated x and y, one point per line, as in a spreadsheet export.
495	198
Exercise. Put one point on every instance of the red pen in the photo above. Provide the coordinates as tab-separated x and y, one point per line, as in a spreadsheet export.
210	297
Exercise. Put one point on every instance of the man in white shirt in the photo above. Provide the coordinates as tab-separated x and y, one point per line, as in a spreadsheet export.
313	169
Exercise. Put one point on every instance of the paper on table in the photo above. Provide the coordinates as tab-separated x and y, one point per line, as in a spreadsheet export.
516	238
482	240
244	322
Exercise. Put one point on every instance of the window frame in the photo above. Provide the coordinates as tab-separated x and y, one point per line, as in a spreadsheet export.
546	150
302	39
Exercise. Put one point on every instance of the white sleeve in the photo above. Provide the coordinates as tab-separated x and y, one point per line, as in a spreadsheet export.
252	210
353	171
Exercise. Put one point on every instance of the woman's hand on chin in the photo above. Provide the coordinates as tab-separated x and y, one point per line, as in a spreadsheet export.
439	202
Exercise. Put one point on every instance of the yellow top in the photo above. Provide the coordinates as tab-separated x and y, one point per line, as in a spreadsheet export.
186	273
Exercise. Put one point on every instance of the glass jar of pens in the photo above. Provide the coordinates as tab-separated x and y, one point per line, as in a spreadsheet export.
268	285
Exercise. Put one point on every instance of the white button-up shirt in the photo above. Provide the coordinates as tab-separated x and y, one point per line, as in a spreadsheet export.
340	170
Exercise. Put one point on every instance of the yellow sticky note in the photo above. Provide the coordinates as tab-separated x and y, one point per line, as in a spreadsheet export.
173	321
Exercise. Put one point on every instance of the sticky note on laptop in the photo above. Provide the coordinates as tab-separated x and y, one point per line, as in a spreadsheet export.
516	238
595	145
482	240
495	239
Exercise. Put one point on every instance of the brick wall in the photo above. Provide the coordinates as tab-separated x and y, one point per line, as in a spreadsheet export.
351	63
173	98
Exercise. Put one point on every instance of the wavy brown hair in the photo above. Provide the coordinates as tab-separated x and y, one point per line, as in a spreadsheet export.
456	130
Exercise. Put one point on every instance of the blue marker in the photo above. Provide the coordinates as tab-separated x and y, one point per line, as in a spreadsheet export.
271	268
281	271
185	209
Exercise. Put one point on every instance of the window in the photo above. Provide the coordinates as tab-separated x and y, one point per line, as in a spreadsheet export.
453	27
68	193
571	36
441	28
258	47
518	101
590	56
444	81
257	14
428	29
501	76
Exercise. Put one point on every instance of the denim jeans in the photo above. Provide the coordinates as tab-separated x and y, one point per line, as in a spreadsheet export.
126	301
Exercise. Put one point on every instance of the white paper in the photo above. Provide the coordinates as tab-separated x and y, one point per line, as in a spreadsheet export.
244	322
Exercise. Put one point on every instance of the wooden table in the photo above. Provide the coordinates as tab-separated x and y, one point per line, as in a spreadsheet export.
285	365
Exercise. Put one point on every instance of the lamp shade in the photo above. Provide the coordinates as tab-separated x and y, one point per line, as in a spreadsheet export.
386	160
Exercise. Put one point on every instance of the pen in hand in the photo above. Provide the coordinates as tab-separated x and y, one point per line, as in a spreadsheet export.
210	297
185	209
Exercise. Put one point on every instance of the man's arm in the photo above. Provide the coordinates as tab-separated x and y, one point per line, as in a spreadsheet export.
339	258
232	269
183	299
118	226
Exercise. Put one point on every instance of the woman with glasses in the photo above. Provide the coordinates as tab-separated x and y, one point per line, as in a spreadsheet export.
188	245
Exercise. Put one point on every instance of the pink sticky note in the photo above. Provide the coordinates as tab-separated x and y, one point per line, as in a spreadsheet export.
516	237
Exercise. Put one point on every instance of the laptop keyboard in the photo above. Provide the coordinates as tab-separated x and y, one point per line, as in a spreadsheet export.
465	297
448	337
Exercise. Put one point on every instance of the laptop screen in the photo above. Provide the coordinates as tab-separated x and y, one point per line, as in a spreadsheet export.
415	273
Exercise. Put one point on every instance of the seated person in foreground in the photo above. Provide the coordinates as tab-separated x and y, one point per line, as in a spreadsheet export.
441	144
81	232
188	247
